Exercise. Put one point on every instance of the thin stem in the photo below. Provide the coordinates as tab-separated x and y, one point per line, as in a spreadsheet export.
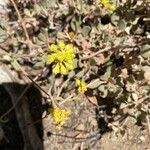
29	43
61	88
96	53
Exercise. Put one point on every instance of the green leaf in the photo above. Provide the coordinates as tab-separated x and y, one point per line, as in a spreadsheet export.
43	36
73	24
3	35
80	74
95	83
107	74
86	30
16	65
39	65
114	19
103	91
122	24
146	51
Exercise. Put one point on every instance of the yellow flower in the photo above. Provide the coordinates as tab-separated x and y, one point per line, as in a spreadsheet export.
59	115
62	57
109	5
82	86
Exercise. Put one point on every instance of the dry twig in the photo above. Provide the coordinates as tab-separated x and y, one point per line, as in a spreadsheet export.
96	53
29	43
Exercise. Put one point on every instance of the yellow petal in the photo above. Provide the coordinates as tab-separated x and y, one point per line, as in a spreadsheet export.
69	47
78	82
69	66
53	48
105	2
112	7
50	58
63	70
82	86
56	69
61	45
82	89
83	83
60	56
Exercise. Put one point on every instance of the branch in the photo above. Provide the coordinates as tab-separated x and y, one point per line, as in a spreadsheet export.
96	53
29	43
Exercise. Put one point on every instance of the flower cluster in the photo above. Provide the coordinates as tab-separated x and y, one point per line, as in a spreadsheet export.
82	86
59	115
62	56
109	5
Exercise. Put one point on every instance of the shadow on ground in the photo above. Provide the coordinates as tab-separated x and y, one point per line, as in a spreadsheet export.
13	138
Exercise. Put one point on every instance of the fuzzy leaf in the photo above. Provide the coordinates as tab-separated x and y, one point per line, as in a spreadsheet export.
114	19
95	83
86	30
103	91
107	75
16	65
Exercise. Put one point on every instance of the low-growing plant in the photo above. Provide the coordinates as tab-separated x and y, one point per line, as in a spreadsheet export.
62	57
98	47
